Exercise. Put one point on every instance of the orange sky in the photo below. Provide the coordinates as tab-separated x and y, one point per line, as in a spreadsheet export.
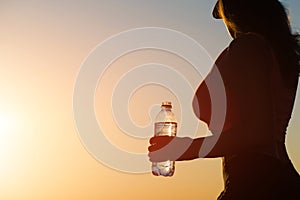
42	48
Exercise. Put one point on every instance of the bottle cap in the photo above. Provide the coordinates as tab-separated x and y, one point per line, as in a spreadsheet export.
166	104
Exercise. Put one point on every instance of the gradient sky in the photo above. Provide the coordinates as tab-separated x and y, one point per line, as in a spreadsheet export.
42	47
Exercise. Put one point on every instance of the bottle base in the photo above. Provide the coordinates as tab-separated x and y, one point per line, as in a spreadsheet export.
166	168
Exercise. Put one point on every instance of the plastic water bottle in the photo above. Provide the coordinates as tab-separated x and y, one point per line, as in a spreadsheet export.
165	124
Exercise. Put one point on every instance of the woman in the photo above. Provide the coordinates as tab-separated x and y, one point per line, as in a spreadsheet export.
260	70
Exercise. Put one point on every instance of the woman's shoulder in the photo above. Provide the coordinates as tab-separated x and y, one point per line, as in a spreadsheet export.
251	42
250	49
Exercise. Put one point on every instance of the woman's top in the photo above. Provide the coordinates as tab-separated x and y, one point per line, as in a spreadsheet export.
259	107
259	103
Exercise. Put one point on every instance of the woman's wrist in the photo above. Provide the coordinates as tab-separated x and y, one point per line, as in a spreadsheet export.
192	151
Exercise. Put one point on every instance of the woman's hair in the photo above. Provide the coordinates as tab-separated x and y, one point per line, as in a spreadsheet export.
269	19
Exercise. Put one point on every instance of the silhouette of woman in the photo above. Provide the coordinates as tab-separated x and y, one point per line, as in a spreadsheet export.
260	70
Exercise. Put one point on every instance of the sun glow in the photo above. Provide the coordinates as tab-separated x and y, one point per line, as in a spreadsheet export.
8	124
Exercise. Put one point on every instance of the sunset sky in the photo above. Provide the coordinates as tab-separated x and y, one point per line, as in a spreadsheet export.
44	45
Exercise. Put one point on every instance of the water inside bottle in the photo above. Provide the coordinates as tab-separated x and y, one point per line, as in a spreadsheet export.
166	168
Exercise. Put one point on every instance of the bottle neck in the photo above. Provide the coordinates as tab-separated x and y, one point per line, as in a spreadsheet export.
168	108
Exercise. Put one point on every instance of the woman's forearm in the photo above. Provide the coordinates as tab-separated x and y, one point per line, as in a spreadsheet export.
193	151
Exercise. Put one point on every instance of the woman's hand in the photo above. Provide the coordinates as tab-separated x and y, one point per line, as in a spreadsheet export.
163	148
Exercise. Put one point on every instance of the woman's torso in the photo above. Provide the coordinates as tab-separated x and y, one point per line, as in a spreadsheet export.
259	104
259	107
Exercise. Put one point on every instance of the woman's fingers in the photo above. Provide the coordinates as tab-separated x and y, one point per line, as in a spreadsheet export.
164	148
160	139
152	148
159	142
157	157
157	152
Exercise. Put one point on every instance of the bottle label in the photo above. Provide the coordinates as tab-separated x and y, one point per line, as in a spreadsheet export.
165	129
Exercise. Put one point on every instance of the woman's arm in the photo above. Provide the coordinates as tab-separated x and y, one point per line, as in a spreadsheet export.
164	148
245	67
